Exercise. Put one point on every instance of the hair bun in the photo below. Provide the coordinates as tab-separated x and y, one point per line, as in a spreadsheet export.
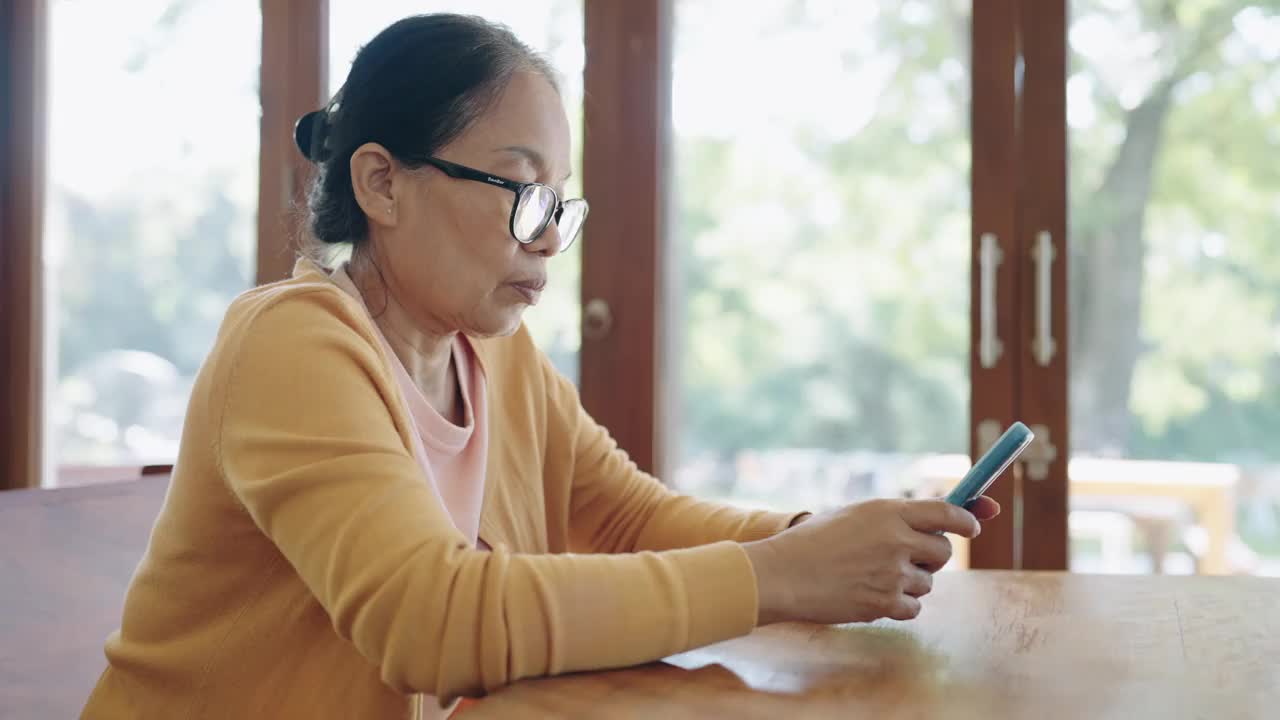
310	133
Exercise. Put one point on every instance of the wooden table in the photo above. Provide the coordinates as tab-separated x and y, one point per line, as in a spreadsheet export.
66	557
988	645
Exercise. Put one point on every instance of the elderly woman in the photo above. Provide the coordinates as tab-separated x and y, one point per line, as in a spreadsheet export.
387	498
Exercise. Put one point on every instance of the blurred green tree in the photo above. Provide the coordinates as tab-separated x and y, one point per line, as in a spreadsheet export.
825	272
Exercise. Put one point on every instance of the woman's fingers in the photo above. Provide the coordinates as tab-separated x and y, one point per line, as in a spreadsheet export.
917	583
930	552
984	508
939	516
904	608
877	559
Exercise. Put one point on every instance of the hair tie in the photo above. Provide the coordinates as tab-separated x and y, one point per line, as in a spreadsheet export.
311	135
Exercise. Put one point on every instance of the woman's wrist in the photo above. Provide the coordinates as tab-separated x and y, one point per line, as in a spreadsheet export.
770	585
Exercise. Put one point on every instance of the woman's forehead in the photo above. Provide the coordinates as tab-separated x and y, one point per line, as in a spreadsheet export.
527	122
530	155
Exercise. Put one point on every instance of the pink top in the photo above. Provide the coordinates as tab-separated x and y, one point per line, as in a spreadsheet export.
452	457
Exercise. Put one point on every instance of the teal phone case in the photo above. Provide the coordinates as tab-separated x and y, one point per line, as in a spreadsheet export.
991	464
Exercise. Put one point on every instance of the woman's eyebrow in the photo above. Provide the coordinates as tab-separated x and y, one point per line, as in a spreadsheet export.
534	157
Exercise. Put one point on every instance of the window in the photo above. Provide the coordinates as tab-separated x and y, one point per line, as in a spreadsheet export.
817	319
820	306
150	216
1175	287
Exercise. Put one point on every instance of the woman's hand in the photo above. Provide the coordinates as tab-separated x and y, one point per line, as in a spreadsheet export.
862	562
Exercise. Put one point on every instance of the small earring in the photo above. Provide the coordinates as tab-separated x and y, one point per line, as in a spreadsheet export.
388	211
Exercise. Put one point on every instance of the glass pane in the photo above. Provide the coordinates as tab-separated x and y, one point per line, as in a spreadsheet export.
151	214
552	27
1174	118
822	247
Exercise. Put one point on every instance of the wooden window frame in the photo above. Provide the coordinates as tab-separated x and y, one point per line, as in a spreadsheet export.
1043	390
993	178
1018	188
23	95
624	174
295	80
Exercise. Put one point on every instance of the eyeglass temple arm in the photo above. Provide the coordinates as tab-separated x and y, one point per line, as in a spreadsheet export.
461	171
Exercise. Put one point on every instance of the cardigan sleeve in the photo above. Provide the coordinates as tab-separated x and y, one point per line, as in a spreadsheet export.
308	442
616	507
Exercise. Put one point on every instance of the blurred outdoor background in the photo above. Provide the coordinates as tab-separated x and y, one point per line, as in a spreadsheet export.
818	313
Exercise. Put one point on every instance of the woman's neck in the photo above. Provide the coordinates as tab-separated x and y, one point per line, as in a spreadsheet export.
426	355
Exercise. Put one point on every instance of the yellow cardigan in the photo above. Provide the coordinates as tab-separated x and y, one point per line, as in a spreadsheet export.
302	568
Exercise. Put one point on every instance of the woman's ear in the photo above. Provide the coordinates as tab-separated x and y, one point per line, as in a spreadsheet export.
372	168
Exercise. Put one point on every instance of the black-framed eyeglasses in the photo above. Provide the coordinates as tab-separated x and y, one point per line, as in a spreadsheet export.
535	207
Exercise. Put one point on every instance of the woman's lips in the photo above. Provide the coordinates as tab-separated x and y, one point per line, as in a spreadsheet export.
530	289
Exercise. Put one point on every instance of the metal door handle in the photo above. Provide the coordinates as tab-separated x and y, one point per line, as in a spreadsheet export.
989	258
1043	346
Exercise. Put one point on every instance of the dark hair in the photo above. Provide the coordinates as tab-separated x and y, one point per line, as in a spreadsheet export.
414	88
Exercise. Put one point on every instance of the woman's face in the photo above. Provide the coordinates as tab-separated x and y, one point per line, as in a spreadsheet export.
444	245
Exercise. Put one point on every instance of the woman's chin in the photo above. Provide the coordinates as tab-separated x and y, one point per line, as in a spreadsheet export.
503	323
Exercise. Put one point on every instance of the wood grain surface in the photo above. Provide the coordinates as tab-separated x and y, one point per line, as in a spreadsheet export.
989	644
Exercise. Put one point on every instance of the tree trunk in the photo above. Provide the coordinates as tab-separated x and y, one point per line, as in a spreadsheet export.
1106	284
1109	253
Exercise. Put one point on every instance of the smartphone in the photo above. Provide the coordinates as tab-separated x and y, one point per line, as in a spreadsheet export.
991	464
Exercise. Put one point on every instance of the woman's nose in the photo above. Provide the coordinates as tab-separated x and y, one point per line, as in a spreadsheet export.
548	243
